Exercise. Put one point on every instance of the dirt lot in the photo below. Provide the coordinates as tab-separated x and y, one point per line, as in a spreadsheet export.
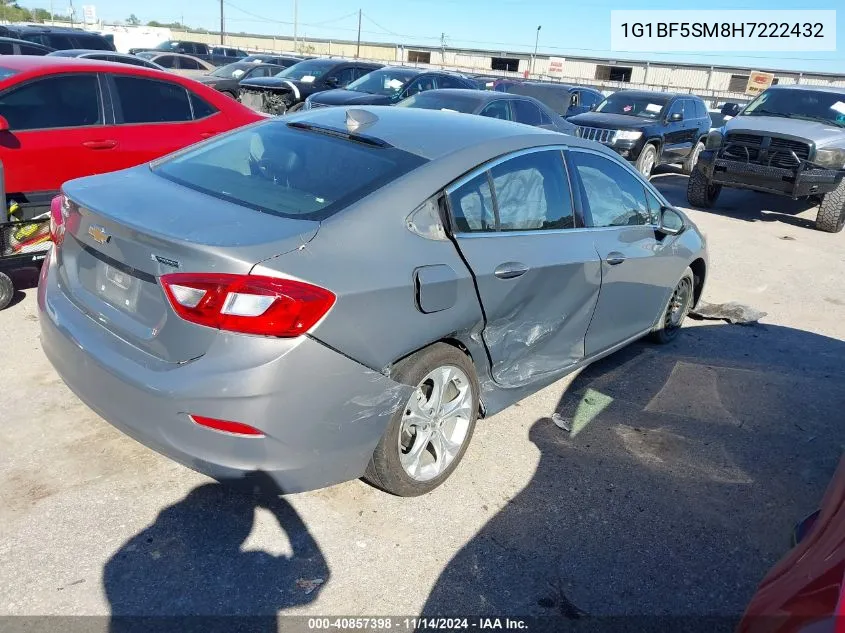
676	493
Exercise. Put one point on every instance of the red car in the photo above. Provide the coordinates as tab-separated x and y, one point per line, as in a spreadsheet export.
63	118
805	592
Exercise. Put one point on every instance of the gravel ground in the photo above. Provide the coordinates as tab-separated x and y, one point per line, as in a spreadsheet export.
677	490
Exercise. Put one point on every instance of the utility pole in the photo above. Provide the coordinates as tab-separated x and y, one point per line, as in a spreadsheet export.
442	49
222	24
71	13
536	42
358	48
295	22
52	15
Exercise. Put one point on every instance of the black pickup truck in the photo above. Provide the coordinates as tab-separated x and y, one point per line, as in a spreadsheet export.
648	128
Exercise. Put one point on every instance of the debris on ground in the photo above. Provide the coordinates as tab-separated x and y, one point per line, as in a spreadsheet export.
561	422
732	312
309	585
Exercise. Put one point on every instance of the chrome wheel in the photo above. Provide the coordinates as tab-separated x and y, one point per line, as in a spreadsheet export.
435	423
678	305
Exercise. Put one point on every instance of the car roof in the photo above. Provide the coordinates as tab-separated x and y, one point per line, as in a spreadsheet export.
39	28
38	65
653	94
831	89
86	51
482	96
432	134
15	40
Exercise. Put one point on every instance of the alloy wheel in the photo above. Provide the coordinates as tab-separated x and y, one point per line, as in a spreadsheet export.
435	423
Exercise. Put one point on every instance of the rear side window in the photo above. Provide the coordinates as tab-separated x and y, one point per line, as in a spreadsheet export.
32	50
525	112
288	171
532	192
188	64
61	42
6	48
497	110
56	102
701	110
201	108
612	195
151	101
93	43
472	206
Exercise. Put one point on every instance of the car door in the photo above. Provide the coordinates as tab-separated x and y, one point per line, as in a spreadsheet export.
155	117
57	132
636	267
674	135
537	278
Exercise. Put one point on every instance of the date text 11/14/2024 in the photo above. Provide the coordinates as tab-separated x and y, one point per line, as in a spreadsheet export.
416	624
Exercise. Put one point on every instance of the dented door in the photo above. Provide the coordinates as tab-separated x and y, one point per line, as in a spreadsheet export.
538	280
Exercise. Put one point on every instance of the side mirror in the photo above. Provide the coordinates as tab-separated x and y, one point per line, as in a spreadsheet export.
4	124
671	222
593	107
675	116
730	109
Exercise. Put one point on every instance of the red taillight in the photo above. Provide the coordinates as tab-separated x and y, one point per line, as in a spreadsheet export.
250	304
224	426
57	219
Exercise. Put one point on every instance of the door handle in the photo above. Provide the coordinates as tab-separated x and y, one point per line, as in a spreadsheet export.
615	258
510	270
104	144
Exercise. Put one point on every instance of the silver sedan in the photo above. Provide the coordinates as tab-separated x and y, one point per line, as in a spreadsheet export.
344	292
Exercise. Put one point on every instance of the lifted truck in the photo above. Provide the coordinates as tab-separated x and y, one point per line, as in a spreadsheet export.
789	141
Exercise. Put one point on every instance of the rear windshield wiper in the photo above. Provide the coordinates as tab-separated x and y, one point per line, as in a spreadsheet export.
358	138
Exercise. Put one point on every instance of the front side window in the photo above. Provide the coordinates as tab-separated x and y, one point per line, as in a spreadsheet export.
151	101
612	195
532	192
287	170
57	102
344	77
445	81
676	108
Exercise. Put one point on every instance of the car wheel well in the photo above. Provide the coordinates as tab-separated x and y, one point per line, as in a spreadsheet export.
699	271
458	344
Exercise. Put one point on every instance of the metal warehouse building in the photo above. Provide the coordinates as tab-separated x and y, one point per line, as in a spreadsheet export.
715	84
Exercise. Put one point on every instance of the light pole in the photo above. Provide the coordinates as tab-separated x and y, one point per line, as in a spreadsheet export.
536	42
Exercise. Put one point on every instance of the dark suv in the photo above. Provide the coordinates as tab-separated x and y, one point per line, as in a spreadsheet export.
195	49
648	128
789	141
564	99
57	38
287	91
222	55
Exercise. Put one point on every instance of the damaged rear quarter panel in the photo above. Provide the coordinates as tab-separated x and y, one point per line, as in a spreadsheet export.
367	256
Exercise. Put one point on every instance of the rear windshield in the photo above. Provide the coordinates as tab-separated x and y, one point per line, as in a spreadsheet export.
435	100
287	171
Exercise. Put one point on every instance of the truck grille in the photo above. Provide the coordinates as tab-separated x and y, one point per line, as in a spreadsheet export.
765	150
597	134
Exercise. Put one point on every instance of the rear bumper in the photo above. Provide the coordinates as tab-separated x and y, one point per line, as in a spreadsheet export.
796	182
322	413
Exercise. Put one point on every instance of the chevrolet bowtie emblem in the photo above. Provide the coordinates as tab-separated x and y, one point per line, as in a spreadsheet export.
99	234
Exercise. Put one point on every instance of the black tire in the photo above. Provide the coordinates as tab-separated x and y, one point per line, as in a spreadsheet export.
700	191
676	310
831	215
647	161
295	107
692	159
7	291
385	470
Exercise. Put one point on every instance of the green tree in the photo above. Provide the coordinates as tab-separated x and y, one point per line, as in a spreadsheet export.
133	20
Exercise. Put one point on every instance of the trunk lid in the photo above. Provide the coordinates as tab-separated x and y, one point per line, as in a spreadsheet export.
124	230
